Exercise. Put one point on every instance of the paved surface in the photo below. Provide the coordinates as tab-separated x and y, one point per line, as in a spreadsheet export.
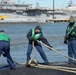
33	71
22	70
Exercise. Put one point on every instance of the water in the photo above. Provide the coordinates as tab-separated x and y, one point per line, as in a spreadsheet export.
54	33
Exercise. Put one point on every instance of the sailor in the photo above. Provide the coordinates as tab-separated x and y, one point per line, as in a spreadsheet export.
33	35
5	48
70	39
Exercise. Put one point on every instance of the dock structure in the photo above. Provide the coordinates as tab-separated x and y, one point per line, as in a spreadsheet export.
58	20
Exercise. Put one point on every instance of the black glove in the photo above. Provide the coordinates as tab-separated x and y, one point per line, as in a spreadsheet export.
65	42
66	37
31	39
34	39
50	47
4	55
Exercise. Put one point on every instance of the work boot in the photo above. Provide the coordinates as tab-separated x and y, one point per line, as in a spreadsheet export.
70	63
47	63
31	63
74	63
12	68
27	65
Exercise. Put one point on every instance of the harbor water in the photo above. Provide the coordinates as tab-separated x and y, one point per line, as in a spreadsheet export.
54	33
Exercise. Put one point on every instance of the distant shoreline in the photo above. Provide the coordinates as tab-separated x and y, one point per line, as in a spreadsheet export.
11	22
30	22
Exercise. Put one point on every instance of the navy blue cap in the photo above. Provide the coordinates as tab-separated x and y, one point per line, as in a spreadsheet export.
38	27
1	30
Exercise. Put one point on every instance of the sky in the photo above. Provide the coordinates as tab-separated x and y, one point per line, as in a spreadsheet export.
46	3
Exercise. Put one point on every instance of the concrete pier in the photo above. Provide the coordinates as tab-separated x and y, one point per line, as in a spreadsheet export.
58	20
23	70
33	71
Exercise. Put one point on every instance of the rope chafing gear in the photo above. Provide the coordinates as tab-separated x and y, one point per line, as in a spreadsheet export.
35	36
56	51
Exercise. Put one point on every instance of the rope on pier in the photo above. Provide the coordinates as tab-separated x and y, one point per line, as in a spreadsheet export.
65	69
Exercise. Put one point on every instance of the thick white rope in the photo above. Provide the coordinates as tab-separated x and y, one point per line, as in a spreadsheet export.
29	62
66	69
22	64
56	51
73	70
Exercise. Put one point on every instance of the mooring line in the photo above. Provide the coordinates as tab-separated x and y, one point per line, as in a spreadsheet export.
56	51
22	64
54	68
29	62
67	69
